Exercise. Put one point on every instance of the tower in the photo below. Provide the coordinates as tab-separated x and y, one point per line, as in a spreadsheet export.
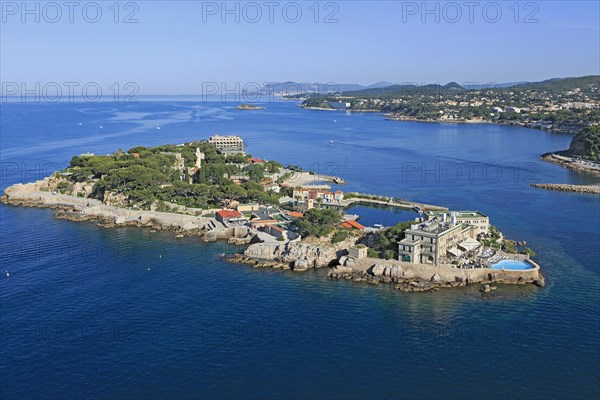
199	158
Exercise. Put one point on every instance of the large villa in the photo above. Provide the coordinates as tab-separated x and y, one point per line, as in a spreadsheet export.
443	237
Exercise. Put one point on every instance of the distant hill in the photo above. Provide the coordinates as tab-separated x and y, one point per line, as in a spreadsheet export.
550	85
562	84
380	84
400	90
291	87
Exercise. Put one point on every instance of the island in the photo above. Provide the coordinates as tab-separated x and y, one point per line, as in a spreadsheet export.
286	218
249	107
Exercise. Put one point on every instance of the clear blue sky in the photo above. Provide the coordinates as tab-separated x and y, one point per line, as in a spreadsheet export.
175	46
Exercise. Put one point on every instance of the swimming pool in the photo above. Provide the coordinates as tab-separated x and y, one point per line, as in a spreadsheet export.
512	264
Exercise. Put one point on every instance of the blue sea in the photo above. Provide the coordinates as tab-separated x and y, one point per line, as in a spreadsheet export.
89	312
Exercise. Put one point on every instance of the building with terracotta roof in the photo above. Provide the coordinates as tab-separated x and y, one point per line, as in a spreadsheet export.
350	224
229	216
276	231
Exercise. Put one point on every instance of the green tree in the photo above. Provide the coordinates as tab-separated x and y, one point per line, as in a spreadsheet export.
318	222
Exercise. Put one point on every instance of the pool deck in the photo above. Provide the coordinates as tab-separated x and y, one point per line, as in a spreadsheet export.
512	265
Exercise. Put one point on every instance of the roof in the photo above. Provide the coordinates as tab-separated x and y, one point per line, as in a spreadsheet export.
264	221
455	252
277	228
295	214
229	214
470	244
352	224
255	160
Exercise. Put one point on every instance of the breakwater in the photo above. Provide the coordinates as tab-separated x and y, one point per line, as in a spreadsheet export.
561	187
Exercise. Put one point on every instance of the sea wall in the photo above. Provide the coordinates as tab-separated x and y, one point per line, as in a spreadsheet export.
409	277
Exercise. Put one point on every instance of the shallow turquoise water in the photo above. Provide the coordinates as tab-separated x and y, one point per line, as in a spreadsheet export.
125	313
512	264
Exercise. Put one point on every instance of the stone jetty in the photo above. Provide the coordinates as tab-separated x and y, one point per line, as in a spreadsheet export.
561	187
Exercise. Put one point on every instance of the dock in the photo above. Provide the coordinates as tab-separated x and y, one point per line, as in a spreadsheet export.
406	205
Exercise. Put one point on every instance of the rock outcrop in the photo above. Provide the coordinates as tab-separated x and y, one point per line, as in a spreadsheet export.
310	255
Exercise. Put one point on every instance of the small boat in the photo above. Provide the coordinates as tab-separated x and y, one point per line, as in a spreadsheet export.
331	142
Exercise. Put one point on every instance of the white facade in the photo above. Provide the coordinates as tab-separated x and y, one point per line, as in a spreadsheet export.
227	144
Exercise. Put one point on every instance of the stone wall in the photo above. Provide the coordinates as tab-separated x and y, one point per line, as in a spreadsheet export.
418	277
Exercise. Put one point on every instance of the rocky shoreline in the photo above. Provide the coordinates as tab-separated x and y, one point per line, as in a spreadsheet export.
79	209
560	160
571	130
295	255
411	278
404	277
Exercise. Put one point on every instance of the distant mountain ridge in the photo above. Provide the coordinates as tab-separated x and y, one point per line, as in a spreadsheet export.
550	85
407	88
291	87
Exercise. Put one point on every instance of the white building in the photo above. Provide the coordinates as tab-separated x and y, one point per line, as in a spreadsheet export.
478	220
434	242
227	144
443	237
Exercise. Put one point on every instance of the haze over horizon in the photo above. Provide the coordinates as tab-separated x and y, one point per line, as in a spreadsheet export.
174	49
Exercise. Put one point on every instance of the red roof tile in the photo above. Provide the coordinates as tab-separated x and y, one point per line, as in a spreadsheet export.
229	214
352	224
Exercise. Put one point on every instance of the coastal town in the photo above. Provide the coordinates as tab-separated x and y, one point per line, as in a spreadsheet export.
562	105
288	218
